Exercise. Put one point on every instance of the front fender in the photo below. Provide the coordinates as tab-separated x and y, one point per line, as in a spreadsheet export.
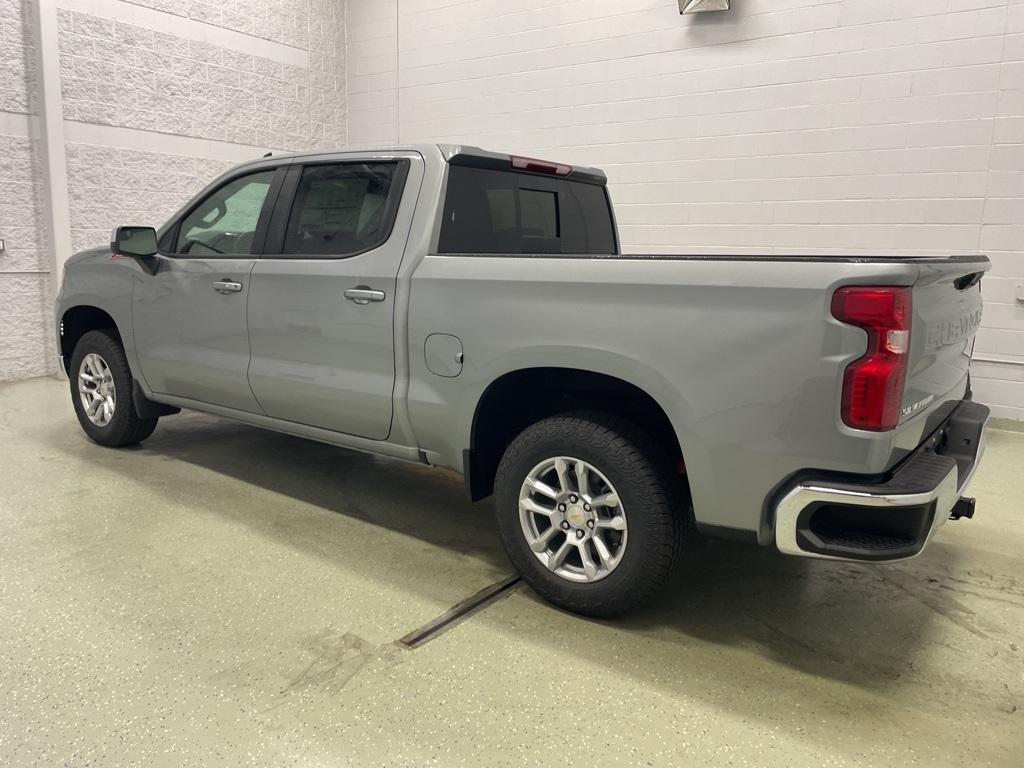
94	279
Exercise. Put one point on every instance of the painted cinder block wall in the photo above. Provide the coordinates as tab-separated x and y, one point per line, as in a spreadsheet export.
781	126
25	346
158	97
194	88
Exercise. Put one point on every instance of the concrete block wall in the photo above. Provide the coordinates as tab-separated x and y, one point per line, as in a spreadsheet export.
803	126
167	83
118	184
280	20
372	71
227	82
794	126
158	97
26	348
17	58
26	344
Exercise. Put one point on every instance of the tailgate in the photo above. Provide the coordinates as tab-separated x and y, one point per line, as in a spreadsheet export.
947	313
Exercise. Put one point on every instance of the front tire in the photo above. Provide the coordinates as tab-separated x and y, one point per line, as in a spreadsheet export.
590	512
101	391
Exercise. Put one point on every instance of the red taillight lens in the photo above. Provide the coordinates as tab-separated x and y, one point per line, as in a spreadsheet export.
539	166
873	384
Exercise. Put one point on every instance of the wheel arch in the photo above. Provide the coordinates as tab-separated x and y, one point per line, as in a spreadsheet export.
77	321
80	319
518	398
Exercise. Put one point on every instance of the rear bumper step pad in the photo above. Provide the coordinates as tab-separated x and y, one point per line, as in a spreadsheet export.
893	519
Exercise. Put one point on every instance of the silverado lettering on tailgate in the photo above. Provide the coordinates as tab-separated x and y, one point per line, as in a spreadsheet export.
948	332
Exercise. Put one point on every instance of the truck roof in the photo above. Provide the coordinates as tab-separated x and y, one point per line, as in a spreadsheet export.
447	152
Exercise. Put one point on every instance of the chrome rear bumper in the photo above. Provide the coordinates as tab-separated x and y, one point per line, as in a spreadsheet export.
892	520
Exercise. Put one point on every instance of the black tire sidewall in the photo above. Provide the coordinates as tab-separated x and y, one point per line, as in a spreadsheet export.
123	426
638	478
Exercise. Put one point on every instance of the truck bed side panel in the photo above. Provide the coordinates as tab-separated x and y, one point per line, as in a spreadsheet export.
742	355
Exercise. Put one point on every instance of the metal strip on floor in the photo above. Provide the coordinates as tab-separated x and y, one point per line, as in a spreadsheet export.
461	611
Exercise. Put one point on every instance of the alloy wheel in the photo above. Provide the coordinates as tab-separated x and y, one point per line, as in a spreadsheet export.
96	389
573	519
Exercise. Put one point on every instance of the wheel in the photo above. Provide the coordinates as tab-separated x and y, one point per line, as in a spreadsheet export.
590	512
101	390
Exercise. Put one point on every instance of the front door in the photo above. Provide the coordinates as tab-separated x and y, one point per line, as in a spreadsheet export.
189	315
322	297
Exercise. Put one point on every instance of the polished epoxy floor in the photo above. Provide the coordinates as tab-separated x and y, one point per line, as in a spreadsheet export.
228	596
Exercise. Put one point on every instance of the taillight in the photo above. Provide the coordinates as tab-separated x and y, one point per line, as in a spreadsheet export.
873	384
539	166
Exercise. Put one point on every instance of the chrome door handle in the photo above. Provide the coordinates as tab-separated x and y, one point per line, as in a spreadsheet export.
363	294
227	286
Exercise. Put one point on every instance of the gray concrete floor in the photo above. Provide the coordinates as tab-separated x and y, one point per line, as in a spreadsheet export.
225	595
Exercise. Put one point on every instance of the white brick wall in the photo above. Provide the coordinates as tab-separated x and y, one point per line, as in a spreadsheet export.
169	84
25	345
112	185
793	126
172	83
239	91
16	57
158	97
21	207
280	20
781	126
371	68
25	338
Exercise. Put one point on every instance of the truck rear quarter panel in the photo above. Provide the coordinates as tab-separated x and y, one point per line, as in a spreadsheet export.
742	355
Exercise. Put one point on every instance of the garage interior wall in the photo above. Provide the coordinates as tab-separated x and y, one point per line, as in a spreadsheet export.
158	97
24	285
780	126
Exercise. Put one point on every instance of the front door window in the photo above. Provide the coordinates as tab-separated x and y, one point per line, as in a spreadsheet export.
225	222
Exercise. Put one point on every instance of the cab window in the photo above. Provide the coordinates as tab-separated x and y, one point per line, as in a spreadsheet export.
493	211
225	222
343	209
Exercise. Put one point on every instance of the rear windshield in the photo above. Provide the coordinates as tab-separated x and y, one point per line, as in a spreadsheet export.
491	211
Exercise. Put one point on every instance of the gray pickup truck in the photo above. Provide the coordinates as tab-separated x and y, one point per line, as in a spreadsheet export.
467	309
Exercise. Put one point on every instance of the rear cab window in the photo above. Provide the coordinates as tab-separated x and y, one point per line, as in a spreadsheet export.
491	210
343	209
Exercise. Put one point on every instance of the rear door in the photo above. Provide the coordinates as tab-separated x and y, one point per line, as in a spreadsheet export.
323	295
189	315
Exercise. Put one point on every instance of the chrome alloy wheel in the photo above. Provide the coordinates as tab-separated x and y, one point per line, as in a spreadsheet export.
572	519
96	389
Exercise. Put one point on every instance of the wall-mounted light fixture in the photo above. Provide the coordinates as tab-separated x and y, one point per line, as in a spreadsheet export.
701	6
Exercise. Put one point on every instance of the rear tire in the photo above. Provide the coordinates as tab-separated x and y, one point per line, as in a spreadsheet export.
101	391
551	534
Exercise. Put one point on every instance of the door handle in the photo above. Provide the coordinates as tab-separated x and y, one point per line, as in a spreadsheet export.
227	286
363	294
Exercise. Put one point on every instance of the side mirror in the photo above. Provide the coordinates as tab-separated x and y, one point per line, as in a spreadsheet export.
138	242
